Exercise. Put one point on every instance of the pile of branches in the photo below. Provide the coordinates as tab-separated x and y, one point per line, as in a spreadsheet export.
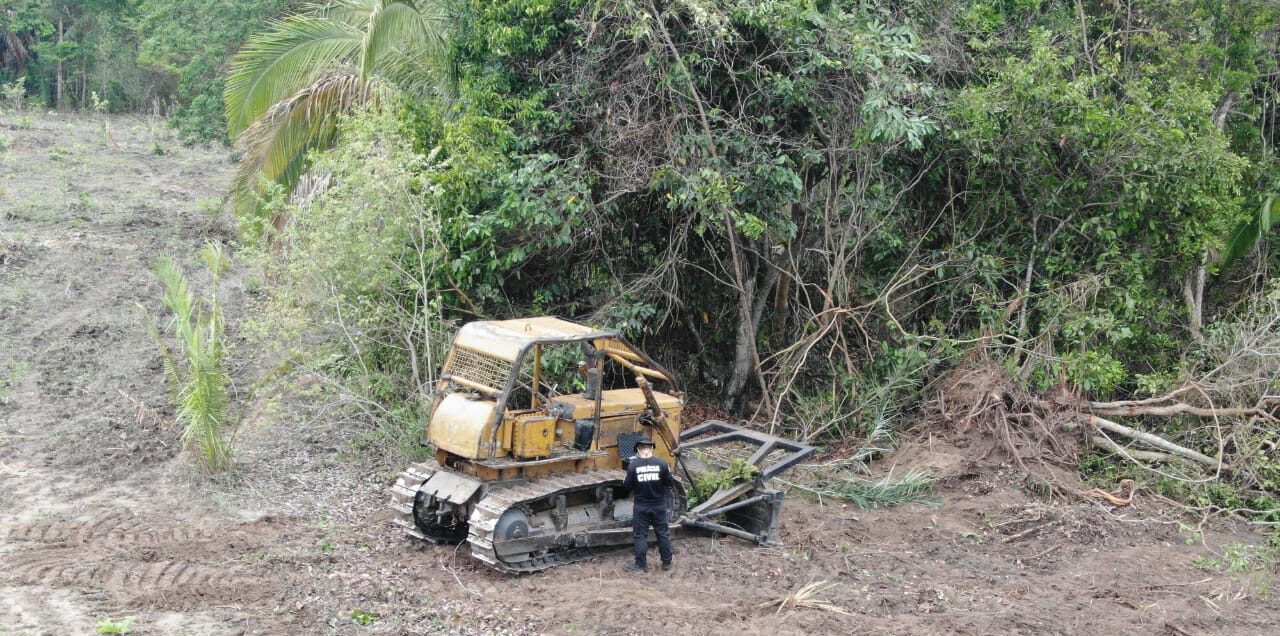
1225	420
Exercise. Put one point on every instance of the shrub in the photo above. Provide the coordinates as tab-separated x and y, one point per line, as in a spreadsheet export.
14	93
194	363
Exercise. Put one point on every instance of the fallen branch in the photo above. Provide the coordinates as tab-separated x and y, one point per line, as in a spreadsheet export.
1032	530
1096	422
1173	409
1097	406
142	413
1105	443
1165	405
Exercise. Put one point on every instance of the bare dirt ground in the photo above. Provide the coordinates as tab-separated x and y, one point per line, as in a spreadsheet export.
101	517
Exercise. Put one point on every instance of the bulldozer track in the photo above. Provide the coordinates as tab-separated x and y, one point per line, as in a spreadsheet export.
402	493
66	566
119	527
498	500
123	555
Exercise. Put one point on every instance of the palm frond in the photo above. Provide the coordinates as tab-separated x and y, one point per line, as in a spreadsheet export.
215	258
1247	234
201	381
418	30
275	65
275	147
353	12
914	487
177	295
168	363
807	596
288	86
310	187
410	71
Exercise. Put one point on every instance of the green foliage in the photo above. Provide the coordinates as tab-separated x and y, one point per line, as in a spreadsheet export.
361	617
914	487
1106	174
360	272
398	437
97	104
863	404
288	86
1093	371
14	93
111	627
133	54
194	364
1239	558
708	484
886	186
191	41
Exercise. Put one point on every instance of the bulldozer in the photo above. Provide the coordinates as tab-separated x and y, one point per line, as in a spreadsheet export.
533	423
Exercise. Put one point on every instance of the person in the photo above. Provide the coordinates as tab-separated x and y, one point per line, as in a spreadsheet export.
648	479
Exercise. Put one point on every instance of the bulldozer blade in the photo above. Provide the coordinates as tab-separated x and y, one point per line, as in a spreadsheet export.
724	432
754	518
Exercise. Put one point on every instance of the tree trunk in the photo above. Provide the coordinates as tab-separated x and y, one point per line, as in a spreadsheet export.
744	351
57	100
1193	284
1193	295
746	358
742	362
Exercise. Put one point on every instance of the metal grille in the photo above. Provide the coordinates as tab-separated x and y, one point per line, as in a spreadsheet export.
627	444
479	367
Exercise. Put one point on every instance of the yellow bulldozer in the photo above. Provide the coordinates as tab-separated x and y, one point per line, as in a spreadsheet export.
533	423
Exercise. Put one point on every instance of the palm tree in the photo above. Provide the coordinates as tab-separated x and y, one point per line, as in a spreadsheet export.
288	86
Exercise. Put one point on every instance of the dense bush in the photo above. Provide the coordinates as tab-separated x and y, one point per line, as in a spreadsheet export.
812	207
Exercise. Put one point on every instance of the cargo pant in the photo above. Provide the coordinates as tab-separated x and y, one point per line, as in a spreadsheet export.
642	518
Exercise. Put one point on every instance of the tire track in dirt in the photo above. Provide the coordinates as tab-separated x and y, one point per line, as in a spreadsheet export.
133	559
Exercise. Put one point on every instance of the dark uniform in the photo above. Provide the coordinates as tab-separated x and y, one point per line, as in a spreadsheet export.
648	480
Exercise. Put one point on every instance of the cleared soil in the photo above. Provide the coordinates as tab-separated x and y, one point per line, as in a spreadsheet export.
101	517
